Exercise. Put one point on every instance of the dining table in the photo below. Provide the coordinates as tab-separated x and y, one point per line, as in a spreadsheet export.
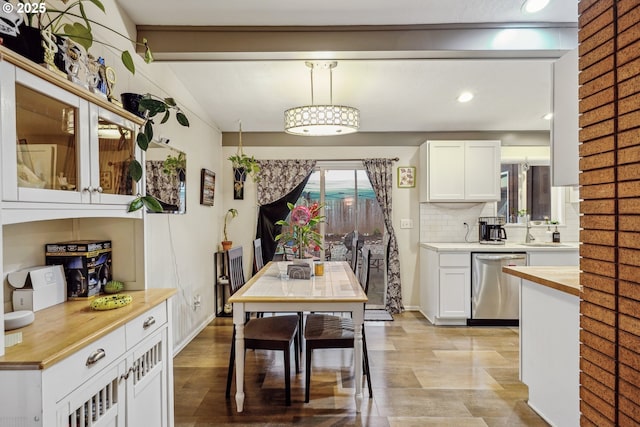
271	290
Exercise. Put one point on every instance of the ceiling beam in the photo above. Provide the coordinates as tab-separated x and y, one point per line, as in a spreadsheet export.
371	139
207	43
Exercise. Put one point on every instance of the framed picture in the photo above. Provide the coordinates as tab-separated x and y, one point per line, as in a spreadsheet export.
207	187
406	176
106	180
36	165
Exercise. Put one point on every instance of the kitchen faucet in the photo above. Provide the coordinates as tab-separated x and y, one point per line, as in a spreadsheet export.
529	238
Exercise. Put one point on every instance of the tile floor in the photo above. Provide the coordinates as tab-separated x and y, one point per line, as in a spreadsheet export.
422	376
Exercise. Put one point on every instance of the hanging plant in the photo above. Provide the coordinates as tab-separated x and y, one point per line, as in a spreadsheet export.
242	161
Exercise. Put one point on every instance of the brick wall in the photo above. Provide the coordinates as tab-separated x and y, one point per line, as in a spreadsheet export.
609	37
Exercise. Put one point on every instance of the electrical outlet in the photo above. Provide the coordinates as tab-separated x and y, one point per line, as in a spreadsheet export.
406	223
196	302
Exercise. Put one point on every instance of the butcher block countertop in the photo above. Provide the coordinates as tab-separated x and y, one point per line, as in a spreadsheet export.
564	279
61	330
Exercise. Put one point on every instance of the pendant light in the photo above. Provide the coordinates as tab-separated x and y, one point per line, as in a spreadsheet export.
322	120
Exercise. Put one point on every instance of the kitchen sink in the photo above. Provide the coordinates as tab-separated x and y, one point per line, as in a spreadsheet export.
545	245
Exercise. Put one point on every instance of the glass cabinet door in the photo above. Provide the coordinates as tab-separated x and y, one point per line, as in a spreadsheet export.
46	146
115	152
113	147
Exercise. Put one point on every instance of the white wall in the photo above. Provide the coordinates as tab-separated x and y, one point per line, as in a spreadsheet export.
242	229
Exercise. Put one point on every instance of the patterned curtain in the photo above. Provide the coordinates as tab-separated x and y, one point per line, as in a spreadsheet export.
380	175
159	184
280	177
281	181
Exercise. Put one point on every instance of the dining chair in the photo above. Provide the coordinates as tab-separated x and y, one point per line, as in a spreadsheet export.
265	333
258	261
354	253
334	331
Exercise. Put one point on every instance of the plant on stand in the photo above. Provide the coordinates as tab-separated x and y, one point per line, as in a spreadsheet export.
302	230
150	106
226	243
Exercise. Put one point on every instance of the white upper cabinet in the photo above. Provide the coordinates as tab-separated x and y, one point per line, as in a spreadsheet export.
564	125
62	147
460	171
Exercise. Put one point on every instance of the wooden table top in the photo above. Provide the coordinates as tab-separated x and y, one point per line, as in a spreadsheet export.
337	284
61	330
562	278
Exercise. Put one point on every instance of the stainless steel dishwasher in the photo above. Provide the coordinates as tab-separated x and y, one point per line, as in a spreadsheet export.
494	294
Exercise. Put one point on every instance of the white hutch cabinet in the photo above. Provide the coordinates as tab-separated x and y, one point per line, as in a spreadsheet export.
64	154
61	144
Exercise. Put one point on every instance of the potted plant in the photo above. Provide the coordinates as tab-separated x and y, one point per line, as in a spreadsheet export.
79	31
522	216
151	105
302	229
226	243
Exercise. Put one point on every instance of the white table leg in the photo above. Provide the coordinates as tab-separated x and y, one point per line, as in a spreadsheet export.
238	321
358	316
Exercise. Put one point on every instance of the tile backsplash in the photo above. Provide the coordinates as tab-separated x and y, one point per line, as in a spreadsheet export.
444	222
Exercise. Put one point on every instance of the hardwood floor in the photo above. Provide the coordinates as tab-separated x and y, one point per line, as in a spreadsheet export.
422	376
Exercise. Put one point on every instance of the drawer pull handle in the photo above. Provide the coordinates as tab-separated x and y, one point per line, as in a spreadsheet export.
149	322
95	356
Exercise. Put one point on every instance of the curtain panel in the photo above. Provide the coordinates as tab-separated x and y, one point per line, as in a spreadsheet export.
278	178
380	175
280	182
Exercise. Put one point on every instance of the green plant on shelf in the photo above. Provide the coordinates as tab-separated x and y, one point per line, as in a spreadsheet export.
72	22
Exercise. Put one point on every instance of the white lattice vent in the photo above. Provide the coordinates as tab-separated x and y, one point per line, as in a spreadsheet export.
146	362
97	407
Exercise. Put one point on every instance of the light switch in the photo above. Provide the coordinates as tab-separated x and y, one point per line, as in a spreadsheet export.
406	223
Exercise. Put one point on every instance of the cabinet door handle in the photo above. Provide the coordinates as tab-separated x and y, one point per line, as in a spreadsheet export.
87	189
99	189
95	356
147	323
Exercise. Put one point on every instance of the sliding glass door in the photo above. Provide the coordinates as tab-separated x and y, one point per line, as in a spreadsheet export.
351	209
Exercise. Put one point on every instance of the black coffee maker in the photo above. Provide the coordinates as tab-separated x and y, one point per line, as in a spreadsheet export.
491	230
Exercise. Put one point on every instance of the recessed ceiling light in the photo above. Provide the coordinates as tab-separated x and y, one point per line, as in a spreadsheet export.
548	116
533	6
465	97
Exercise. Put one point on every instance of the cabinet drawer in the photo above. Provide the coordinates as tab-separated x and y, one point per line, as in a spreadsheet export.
146	324
85	363
455	260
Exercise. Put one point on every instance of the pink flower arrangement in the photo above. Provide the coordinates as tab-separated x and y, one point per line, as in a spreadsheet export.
303	228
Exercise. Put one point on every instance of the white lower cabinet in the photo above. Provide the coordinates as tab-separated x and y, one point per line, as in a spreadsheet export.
454	289
122	379
445	280
445	295
147	383
99	402
550	257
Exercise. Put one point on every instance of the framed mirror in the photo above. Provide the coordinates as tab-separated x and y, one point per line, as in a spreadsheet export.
526	189
166	177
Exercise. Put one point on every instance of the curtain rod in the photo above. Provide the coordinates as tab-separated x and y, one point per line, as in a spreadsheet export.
395	159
